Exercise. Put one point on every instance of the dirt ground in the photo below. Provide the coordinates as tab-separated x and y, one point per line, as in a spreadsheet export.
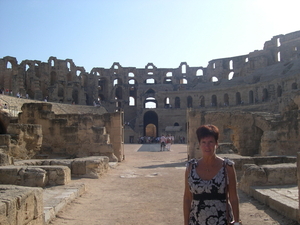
147	188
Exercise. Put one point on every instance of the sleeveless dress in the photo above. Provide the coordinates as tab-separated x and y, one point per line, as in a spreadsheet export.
208	206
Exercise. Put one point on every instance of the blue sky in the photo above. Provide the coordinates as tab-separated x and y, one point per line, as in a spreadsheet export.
97	33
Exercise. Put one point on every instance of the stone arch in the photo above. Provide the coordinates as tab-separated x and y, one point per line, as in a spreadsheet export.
150	117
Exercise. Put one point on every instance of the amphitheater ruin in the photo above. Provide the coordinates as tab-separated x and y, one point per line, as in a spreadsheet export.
59	120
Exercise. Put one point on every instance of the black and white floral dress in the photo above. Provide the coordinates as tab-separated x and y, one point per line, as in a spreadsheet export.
208	206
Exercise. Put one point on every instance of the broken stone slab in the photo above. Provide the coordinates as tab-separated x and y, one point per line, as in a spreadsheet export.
35	176
91	167
21	205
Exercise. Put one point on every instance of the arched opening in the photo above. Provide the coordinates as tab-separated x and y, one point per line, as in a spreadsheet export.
238	100
176	124
202	101
8	65
189	102
150	81
131	101
251	97
167	103
183	81
265	95
150	118
214	79
231	65
151	130
75	96
230	75
131	81
150	103
177	102
214	101
52	78
132	96
119	93
199	72
183	69
294	86
130	74
226	100
279	91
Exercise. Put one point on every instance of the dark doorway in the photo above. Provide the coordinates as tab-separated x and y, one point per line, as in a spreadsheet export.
150	117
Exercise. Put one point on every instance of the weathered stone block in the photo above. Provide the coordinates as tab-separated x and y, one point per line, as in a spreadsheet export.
21	205
57	175
33	177
78	167
5	159
92	167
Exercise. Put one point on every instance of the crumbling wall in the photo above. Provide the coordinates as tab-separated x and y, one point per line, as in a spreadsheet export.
251	133
76	135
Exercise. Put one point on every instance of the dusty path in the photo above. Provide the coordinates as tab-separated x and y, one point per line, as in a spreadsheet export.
147	188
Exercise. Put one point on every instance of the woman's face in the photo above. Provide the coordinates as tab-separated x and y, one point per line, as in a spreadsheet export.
208	145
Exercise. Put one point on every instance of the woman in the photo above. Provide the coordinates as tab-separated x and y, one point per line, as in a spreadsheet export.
204	200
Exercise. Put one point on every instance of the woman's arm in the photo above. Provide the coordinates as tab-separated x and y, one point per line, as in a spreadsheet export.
187	198
233	195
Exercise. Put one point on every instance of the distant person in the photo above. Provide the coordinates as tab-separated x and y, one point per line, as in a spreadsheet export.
168	142
162	143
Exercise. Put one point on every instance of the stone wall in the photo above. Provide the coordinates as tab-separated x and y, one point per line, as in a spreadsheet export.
76	135
251	133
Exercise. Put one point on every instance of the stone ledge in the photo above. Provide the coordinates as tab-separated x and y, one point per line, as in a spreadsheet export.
21	205
90	167
275	198
268	175
56	198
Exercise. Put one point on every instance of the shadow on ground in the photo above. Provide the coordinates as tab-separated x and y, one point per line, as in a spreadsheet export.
176	164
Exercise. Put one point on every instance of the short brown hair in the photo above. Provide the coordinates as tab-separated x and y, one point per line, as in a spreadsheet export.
207	131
